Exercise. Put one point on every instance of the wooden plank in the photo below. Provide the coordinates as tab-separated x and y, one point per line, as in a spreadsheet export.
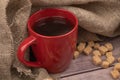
84	63
103	74
79	65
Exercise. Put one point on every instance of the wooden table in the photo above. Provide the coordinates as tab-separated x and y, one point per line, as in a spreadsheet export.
83	68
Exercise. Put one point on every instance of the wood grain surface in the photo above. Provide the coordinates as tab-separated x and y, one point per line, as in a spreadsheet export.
103	74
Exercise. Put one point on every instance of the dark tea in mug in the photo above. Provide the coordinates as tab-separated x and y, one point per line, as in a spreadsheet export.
52	26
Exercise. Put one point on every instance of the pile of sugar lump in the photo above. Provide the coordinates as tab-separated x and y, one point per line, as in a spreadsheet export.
97	52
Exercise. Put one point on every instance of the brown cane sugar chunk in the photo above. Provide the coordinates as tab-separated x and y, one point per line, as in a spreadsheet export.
110	59
81	47
117	66
76	54
87	50
91	43
109	46
48	79
96	53
103	49
115	74
96	60
96	45
105	64
109	54
118	59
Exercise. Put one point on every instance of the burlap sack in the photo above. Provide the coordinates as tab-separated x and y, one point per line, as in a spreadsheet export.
95	17
6	41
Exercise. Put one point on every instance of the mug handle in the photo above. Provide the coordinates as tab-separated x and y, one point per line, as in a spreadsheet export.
21	52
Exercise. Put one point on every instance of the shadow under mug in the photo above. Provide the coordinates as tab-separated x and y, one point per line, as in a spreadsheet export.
53	53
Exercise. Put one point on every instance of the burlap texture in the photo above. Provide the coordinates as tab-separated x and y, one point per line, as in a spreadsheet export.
95	17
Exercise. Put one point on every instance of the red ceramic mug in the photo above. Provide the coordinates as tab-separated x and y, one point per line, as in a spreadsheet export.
51	52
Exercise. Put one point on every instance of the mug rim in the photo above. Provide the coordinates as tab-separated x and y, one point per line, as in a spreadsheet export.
58	36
